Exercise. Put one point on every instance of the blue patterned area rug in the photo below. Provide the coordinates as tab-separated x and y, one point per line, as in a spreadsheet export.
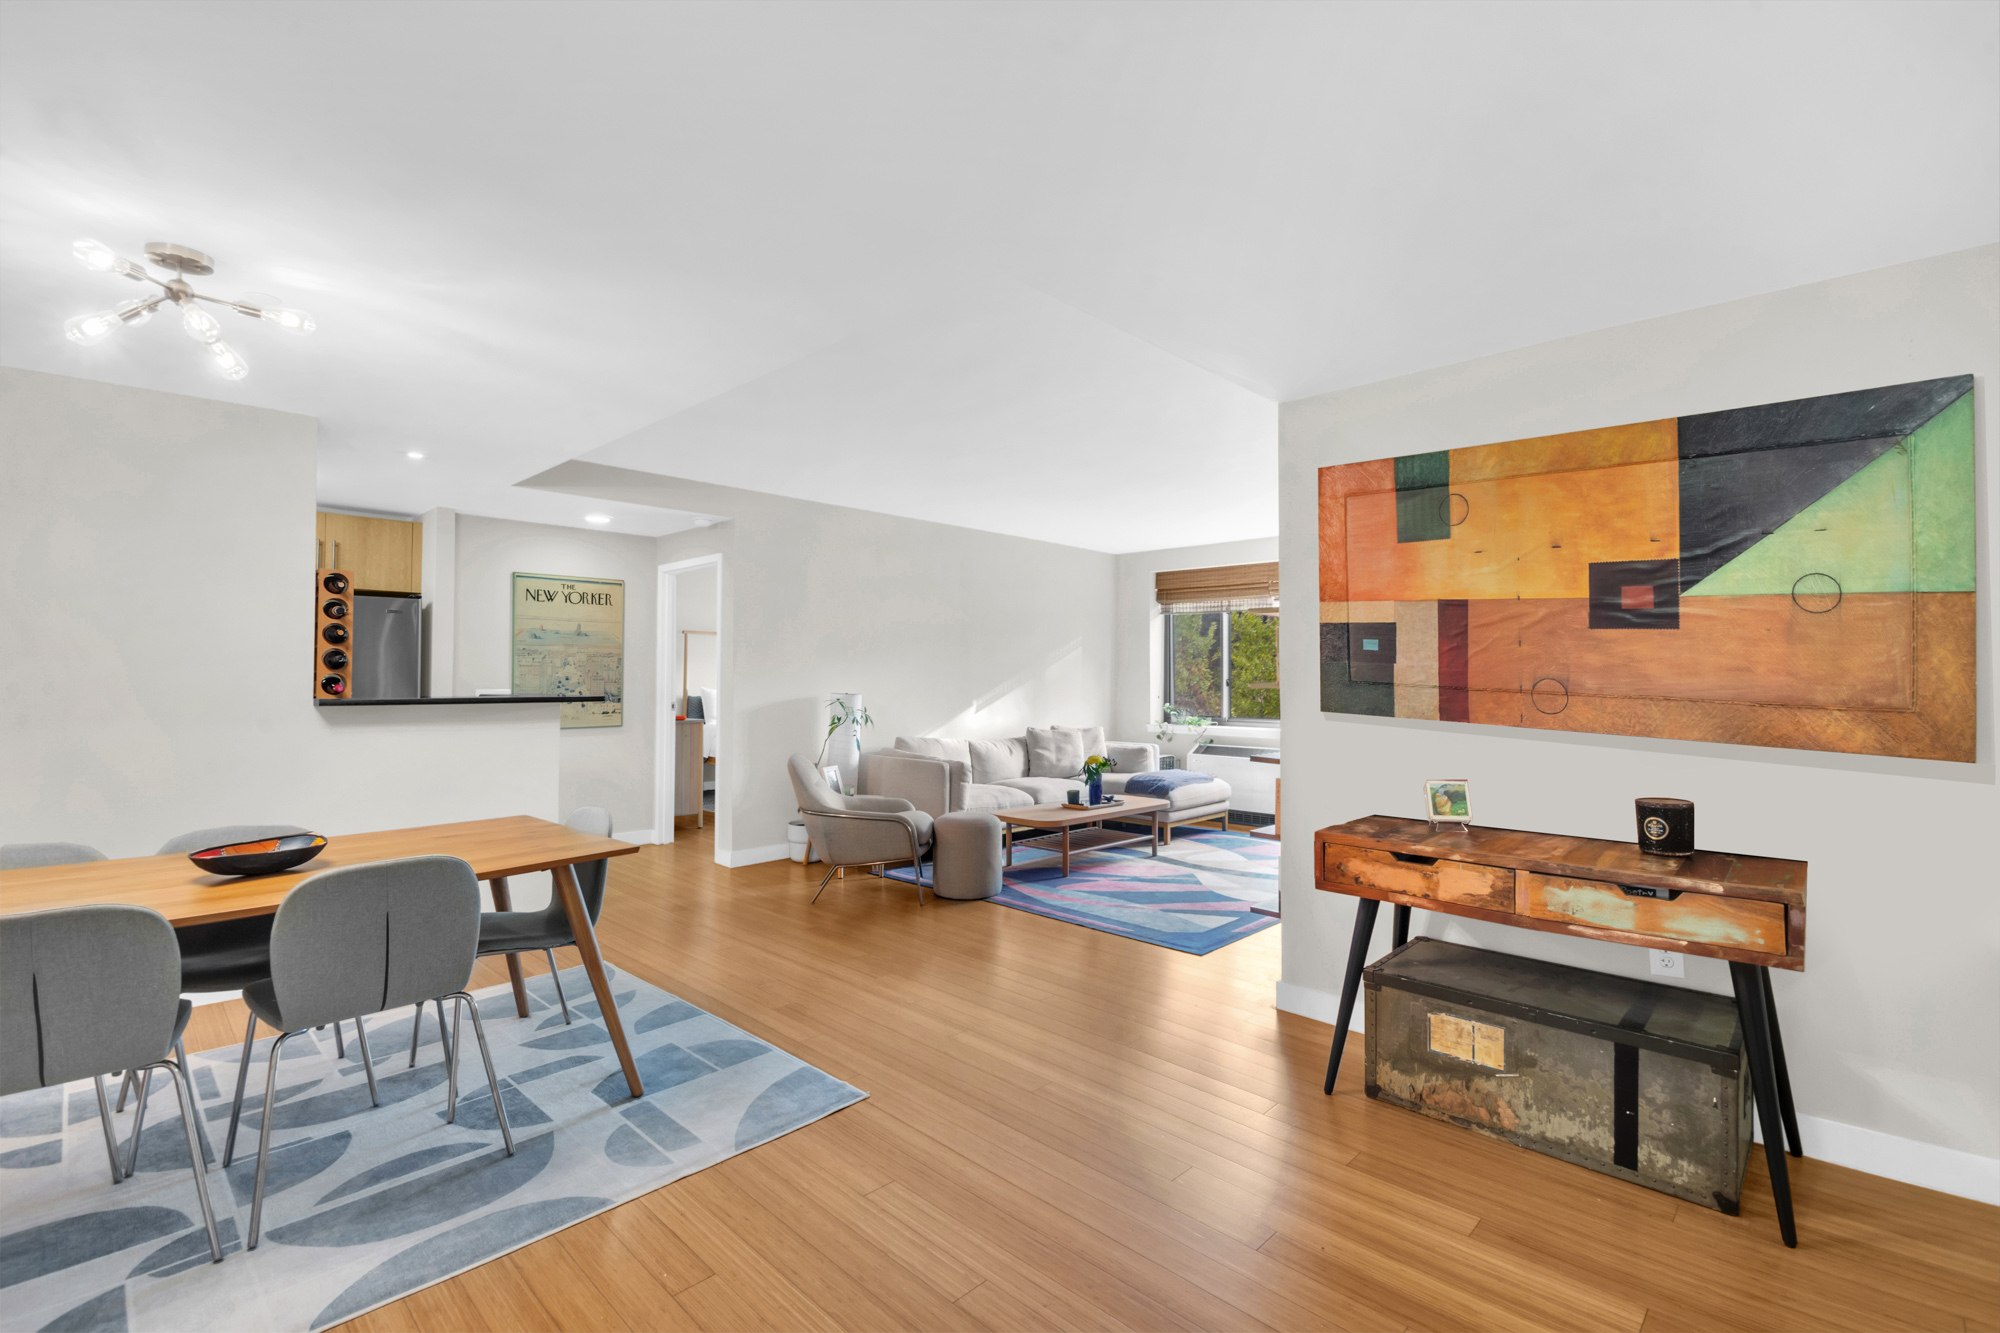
1196	896
367	1204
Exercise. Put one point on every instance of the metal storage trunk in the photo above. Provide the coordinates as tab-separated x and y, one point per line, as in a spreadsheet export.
1637	1080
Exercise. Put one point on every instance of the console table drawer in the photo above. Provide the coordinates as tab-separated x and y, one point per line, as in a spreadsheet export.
1490	887
1701	918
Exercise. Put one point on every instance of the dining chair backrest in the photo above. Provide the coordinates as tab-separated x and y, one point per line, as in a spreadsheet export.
34	855
594	820
228	835
361	939
83	991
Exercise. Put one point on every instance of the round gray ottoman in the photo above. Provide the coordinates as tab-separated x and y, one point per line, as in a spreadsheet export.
965	855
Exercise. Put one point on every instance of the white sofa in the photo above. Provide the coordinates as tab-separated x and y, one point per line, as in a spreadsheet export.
941	775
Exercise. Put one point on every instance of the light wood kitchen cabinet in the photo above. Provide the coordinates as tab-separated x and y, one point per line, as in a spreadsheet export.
382	554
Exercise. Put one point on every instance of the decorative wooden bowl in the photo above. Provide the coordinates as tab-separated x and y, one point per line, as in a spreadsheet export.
267	856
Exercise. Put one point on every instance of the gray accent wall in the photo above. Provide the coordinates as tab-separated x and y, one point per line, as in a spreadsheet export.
1889	1029
156	555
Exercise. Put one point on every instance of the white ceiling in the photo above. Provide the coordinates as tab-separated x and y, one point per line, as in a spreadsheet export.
1038	268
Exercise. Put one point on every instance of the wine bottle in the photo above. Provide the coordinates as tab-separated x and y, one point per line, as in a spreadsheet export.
335	609
333	684
333	659
334	634
335	583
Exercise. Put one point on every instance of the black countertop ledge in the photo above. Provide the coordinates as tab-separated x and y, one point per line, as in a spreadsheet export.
465	699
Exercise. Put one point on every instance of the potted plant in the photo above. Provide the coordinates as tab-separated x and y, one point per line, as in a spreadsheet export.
1094	769
846	716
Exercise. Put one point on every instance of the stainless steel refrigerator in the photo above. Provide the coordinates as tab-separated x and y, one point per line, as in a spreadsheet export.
388	646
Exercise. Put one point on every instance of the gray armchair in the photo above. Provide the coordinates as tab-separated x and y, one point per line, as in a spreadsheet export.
859	830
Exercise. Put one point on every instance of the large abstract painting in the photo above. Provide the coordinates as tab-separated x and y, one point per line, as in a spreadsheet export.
1798	574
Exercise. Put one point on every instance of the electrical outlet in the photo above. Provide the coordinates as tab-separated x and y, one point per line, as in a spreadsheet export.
1667	964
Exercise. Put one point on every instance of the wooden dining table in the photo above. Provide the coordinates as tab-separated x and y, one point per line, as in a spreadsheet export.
496	849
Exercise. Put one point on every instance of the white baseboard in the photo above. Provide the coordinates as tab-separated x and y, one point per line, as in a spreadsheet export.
1947	1170
642	836
750	856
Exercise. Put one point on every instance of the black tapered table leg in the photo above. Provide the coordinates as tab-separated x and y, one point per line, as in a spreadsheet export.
1791	1116
1357	957
1399	929
1755	1016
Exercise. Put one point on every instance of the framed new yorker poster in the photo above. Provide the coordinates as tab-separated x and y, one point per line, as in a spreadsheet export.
569	638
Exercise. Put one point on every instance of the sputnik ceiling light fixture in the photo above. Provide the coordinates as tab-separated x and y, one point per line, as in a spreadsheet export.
86	330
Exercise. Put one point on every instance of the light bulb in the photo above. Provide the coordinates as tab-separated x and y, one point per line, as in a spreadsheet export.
599	519
135	311
292	321
85	330
414	455
227	361
200	325
95	255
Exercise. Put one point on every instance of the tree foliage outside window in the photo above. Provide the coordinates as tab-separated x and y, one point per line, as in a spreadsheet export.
1223	665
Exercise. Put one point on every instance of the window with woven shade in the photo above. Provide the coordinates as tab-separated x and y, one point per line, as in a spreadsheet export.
1222	643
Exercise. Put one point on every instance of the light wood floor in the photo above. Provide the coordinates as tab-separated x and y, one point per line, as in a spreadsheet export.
1067	1130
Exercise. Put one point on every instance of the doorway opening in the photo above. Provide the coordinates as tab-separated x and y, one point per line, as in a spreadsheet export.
693	698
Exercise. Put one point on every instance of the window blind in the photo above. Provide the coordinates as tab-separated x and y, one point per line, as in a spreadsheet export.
1218	588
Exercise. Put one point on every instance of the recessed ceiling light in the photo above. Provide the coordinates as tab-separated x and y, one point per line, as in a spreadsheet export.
414	454
597	518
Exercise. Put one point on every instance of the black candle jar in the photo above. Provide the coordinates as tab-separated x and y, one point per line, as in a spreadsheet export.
1666	826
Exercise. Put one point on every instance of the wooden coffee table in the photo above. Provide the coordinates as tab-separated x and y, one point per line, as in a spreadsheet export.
1072	830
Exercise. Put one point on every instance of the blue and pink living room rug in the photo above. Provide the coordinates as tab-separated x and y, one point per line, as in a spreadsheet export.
1198	895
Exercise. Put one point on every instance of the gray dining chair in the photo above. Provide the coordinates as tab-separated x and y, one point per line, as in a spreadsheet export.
358	940
85	991
35	855
859	830
548	929
225	955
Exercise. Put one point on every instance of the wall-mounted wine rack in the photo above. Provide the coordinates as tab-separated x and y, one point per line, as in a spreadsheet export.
333	634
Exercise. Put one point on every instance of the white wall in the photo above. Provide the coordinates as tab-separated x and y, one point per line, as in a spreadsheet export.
607	766
944	630
1140	642
1890	1028
156	556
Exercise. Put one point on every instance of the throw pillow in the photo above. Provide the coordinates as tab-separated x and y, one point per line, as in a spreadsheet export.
1054	752
995	761
1090	738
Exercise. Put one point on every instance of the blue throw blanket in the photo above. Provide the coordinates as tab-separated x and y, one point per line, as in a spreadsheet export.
1162	784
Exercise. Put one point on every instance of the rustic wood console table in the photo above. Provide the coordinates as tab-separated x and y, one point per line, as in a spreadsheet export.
1747	910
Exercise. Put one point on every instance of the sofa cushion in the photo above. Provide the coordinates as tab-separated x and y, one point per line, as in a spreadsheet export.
1045	791
995	760
934	747
1059	752
985	796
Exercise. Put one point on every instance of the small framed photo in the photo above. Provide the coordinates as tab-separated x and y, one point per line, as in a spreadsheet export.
832	775
1448	801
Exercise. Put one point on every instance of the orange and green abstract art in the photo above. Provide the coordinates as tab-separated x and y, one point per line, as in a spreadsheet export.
1798	574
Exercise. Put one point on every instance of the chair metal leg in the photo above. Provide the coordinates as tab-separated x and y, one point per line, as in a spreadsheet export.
339	1046
138	1122
181	1054
367	1064
125	1089
242	1075
110	1134
416	1032
492	1080
184	1094
264	1138
830	872
450	1067
450	1043
556	977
